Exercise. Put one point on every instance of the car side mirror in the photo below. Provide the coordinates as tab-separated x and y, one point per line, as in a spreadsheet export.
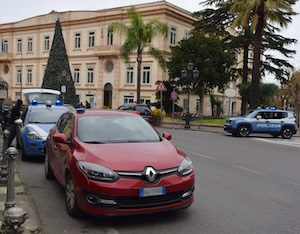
258	117
167	135
60	138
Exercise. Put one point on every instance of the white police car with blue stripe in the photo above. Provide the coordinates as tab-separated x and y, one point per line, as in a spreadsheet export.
269	120
38	119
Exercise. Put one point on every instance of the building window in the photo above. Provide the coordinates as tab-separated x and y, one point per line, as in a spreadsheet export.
109	38
46	43
76	75
29	44
146	100
128	99
146	75
173	36
77	40
29	75
129	75
19	75
91	39
4	46
90	76
19	46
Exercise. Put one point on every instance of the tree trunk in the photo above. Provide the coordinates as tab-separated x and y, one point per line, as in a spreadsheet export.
245	75
138	81
255	94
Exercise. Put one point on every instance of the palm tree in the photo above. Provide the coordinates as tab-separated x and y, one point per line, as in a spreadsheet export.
138	37
256	13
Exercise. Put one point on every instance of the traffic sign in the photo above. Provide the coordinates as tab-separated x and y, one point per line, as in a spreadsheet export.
161	87
174	95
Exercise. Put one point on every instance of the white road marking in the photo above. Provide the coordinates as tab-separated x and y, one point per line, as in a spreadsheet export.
288	142
201	155
247	169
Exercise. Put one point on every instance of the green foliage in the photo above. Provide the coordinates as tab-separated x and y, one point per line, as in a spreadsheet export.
157	113
268	93
209	55
138	36
57	73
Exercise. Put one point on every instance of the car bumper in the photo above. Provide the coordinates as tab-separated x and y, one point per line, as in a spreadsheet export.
229	128
122	197
34	148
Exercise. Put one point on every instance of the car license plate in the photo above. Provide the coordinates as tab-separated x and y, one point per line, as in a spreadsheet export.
153	191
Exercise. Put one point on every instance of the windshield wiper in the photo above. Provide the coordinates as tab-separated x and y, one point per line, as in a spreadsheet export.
94	142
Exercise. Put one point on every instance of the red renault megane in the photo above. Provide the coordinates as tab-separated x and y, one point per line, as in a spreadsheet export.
114	163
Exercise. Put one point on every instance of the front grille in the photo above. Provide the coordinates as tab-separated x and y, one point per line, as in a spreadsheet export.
140	202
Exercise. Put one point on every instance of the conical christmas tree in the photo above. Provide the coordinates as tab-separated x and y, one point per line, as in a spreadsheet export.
58	75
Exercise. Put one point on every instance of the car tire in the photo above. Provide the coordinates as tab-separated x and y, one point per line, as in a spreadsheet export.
286	133
70	198
244	131
47	168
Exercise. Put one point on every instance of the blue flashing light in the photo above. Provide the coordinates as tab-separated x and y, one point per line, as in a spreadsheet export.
267	108
273	108
34	102
58	102
80	110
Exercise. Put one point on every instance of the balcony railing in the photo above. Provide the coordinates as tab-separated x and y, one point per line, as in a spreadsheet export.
5	56
107	50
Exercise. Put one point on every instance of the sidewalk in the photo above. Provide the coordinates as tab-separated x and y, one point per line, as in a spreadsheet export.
23	200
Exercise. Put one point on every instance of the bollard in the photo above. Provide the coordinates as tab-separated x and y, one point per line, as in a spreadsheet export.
4	166
13	217
19	123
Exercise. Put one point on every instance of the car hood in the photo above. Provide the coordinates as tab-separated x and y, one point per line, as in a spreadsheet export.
41	129
132	156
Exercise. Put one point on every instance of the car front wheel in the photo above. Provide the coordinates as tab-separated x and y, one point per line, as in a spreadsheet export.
286	133
70	198
48	170
244	131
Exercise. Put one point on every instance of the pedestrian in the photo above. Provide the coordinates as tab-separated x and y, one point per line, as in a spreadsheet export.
1	113
87	105
14	128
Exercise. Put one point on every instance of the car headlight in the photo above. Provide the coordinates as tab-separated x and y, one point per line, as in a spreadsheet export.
34	135
186	167
97	172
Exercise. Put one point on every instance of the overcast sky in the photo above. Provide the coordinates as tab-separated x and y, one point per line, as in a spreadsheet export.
15	10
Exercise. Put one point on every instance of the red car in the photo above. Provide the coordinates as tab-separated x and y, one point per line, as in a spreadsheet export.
116	163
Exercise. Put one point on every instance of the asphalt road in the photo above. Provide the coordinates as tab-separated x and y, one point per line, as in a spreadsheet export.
243	185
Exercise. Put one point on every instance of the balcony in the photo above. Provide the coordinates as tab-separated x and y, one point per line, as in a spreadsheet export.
5	57
107	50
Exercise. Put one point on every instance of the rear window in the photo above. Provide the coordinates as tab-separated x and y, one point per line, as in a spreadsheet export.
142	108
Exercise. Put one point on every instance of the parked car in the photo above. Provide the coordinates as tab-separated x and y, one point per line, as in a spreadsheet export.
269	120
114	163
37	121
141	109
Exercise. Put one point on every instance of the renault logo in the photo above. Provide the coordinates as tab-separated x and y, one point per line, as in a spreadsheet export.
150	173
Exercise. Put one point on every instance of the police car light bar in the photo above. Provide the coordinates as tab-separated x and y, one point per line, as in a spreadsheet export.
80	110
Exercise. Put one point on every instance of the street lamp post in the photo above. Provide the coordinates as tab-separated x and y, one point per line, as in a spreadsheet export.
189	74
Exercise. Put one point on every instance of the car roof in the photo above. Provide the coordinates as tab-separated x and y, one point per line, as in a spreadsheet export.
43	106
102	112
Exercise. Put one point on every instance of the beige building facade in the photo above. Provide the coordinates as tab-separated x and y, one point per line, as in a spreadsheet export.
99	74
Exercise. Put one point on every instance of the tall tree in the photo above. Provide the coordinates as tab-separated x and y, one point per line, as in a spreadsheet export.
139	36
57	73
218	20
210	56
256	13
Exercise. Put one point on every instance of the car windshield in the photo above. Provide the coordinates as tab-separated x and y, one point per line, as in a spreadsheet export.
248	114
115	129
45	116
144	109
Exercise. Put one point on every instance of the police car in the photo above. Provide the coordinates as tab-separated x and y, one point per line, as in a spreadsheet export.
37	121
269	120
